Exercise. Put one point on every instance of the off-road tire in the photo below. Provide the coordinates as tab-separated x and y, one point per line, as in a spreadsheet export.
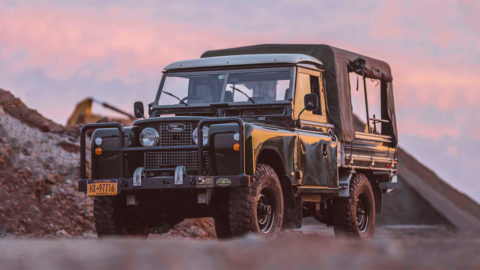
222	226
243	202
111	218
345	212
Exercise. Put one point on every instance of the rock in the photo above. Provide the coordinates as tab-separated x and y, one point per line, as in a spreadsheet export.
62	233
198	228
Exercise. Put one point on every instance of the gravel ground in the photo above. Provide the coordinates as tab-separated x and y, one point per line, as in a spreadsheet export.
314	247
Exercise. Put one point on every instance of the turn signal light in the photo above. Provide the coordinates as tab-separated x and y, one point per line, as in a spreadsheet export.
98	151
236	147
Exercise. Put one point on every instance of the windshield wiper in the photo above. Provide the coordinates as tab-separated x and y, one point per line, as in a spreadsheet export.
245	94
172	95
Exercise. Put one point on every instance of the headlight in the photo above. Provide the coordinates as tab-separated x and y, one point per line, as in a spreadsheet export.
205	135
236	136
98	141
149	137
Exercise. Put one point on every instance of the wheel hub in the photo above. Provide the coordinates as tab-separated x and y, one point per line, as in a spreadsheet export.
363	212
265	210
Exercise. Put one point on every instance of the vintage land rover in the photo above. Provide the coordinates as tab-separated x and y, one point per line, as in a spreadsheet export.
256	137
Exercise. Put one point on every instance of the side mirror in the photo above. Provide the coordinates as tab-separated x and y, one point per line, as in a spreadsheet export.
311	102
138	109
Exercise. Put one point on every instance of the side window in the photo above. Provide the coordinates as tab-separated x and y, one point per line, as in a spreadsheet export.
315	89
309	84
303	88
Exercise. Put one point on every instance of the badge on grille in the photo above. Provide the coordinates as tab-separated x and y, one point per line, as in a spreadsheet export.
176	127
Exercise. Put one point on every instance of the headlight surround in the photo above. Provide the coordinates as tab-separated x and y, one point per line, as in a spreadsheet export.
205	135
149	137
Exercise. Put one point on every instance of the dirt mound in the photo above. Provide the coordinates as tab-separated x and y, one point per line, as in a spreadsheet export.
198	228
17	109
38	176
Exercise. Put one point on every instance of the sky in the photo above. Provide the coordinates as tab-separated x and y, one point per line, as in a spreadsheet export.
55	53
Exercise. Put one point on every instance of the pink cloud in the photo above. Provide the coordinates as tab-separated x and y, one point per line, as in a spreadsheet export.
415	127
438	84
469	10
64	41
437	68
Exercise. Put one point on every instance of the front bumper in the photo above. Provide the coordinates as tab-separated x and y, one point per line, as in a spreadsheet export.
168	182
124	183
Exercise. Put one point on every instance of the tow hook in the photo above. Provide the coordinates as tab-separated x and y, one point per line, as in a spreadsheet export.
137	177
180	172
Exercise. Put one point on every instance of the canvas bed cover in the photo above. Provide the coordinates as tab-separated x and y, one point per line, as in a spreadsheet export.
337	63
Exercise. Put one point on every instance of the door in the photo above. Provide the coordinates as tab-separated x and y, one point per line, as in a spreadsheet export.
317	160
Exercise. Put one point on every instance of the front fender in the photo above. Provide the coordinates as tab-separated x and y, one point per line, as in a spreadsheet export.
280	141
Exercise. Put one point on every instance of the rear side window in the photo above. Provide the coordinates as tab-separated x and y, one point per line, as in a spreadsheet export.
366	100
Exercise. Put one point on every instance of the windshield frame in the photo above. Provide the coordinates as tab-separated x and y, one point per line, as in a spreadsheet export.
227	72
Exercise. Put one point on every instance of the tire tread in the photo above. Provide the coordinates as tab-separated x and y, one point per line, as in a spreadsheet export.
241	204
344	221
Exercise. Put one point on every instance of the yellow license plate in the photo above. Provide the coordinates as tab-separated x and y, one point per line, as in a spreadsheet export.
102	189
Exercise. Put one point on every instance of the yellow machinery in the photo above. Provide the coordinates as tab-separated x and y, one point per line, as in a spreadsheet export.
83	114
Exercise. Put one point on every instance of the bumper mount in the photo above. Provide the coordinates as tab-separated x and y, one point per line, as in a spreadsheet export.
168	182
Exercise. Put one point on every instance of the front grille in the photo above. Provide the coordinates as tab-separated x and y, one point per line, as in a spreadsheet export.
172	159
176	138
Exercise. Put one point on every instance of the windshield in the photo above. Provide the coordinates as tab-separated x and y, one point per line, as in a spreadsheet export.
226	86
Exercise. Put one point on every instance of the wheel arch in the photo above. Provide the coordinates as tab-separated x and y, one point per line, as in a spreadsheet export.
292	217
273	159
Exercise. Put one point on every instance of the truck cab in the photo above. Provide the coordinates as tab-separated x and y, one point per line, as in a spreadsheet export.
256	137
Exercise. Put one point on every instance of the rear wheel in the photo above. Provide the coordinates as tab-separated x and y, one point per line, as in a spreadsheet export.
355	216
112	217
258	208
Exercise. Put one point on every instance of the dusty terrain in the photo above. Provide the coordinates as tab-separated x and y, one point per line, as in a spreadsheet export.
313	248
38	174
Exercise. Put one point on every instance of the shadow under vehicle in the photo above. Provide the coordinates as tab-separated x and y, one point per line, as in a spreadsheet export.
256	137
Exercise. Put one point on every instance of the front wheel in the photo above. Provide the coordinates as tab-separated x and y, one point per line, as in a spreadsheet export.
355	216
112	217
258	208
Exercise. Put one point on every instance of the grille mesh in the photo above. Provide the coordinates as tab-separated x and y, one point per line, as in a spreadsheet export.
171	159
166	159
169	138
